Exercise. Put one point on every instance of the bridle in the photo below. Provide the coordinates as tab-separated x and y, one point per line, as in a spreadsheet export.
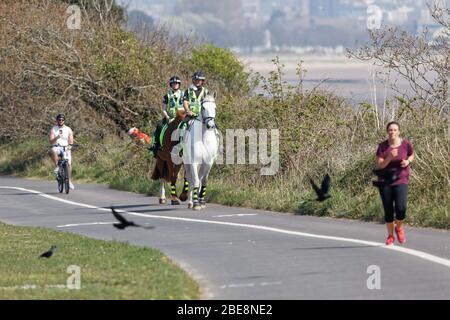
205	120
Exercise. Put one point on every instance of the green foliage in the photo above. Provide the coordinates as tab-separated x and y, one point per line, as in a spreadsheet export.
222	66
114	69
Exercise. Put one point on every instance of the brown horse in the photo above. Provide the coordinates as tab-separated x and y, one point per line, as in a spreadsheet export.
165	170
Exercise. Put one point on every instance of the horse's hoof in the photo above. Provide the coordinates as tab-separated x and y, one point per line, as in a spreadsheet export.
190	205
184	196
175	203
162	201
197	206
203	204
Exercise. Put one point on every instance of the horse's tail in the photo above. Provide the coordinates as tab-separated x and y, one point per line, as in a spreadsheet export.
156	175
165	171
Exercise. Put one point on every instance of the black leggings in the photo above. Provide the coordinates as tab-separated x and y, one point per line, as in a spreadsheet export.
398	196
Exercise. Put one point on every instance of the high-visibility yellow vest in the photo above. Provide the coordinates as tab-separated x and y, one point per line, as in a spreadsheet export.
175	101
195	103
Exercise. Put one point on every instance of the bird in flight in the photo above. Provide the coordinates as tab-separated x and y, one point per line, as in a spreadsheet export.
124	223
48	253
323	191
387	177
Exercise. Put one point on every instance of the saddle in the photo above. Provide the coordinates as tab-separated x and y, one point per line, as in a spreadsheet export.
182	126
162	134
185	127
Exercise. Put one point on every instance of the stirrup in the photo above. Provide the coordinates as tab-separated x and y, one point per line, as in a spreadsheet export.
153	150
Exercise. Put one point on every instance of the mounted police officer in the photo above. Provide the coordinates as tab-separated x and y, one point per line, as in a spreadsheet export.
192	103
172	101
194	95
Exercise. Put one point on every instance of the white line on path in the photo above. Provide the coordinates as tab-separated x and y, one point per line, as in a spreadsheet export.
236	215
84	224
238	285
415	253
246	285
264	284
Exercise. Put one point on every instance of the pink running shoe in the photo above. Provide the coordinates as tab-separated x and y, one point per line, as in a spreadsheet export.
390	241
400	235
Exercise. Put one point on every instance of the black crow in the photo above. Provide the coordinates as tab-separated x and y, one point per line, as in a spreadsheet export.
387	177
124	223
323	191
48	253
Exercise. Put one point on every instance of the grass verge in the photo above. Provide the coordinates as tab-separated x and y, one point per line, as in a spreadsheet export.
108	269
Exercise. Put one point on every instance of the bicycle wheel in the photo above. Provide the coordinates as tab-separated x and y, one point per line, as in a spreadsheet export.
66	178
60	180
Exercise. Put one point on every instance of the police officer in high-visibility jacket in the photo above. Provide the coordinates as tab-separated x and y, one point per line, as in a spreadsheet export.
194	95
192	103
172	101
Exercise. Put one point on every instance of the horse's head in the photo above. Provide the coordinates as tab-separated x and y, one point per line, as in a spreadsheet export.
181	113
209	111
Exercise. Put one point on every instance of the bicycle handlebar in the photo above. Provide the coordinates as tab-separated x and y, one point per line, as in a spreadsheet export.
70	145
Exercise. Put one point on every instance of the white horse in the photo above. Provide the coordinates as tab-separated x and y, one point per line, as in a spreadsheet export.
200	149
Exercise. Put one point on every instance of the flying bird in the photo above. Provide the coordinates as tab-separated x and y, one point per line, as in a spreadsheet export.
48	253
387	177
124	223
323	191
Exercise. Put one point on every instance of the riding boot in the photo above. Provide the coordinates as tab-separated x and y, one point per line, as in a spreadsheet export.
156	143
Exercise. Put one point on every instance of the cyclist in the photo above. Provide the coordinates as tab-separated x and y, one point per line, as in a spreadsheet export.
61	136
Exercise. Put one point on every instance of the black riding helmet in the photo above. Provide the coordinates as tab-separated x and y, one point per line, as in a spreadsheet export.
60	116
199	75
175	79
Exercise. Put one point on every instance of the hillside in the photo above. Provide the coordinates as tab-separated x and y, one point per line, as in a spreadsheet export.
107	80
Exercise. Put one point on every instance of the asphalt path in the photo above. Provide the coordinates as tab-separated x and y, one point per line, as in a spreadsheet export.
245	254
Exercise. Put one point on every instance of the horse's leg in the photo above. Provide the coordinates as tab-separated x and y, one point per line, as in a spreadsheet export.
188	169
184	193
173	186
202	198
195	186
162	192
204	173
173	194
190	160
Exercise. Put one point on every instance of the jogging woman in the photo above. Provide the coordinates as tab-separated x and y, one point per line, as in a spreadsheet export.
394	157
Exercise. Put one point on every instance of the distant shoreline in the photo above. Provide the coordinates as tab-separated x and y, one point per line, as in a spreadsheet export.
349	78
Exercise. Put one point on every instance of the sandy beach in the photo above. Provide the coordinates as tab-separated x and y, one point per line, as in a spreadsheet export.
346	77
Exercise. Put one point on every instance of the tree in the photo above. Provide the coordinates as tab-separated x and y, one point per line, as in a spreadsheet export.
422	61
105	9
222	66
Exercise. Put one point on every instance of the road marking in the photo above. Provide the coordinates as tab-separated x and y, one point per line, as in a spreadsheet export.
235	215
84	224
264	284
248	285
415	253
239	285
33	286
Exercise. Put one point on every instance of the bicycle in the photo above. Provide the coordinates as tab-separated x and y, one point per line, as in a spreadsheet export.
63	176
